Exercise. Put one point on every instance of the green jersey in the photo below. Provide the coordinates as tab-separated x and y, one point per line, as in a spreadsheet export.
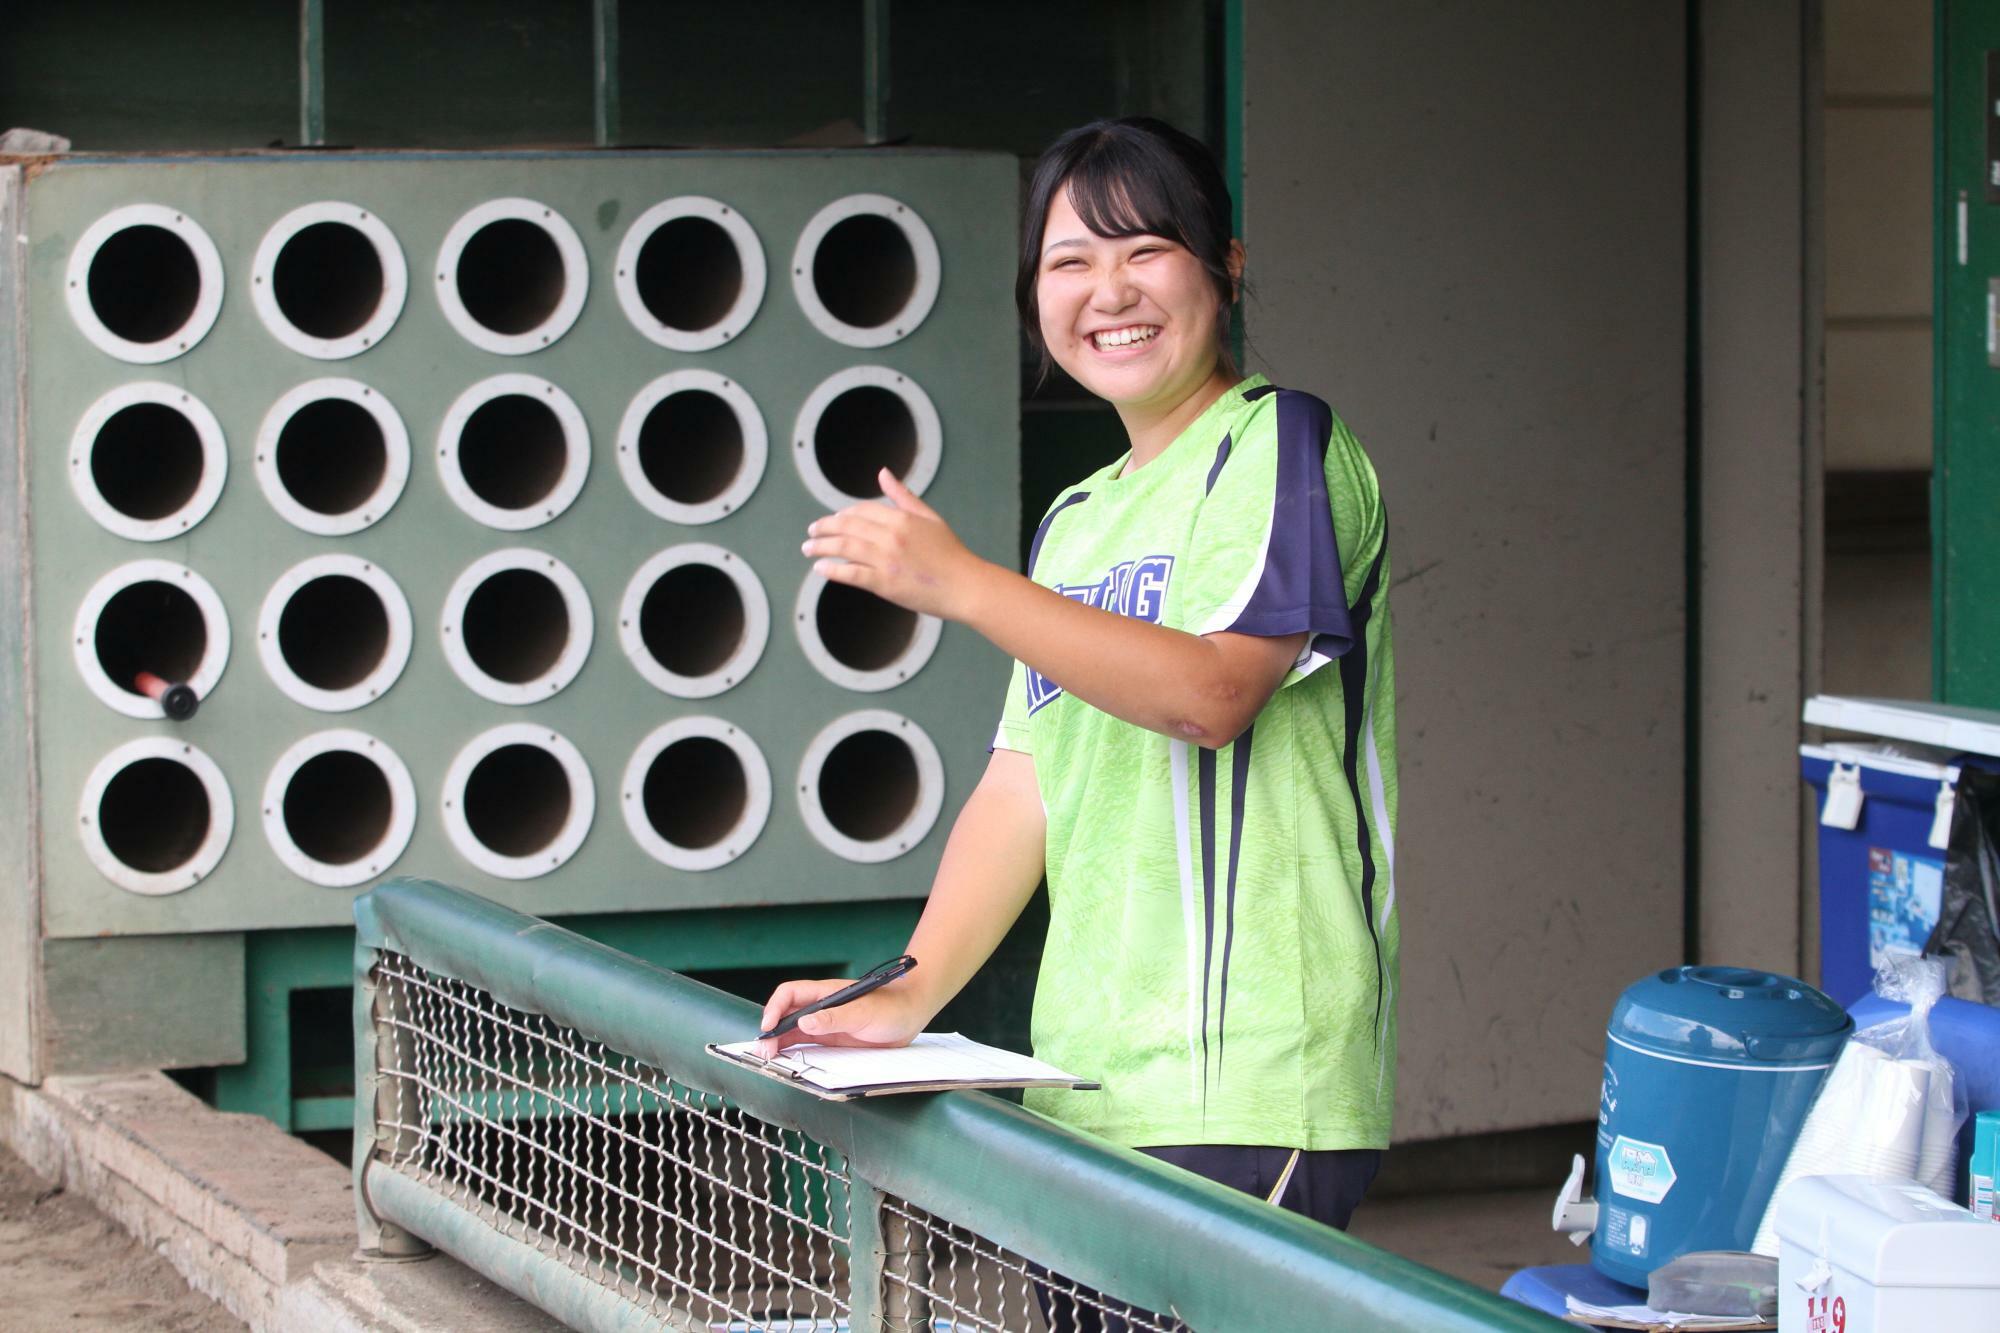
1222	945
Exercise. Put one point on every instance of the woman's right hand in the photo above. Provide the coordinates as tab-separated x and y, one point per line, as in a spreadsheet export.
890	1015
991	864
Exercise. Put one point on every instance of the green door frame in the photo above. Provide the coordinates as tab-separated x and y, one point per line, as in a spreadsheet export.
1965	475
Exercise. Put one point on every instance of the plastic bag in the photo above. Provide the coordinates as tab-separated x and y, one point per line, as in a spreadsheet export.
1716	1282
1920	983
1891	1107
1968	928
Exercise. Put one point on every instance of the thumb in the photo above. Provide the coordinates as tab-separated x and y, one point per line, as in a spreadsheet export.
902	496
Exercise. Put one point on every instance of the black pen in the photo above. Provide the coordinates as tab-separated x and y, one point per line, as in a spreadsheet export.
875	978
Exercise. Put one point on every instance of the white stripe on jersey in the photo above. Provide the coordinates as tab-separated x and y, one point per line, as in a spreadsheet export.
1190	918
1386	837
1226	614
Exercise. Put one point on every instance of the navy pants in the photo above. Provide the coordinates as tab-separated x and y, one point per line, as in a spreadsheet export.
1325	1186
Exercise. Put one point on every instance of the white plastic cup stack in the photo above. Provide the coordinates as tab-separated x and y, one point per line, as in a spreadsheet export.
1889	1132
1822	1139
1938	1159
1875	1116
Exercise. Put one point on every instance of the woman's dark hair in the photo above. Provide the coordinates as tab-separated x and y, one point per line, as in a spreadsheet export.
1128	177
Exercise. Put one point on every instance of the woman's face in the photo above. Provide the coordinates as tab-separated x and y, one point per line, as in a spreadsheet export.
1134	319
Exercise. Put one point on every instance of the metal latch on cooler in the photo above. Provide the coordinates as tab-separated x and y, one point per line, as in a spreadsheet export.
1843	798
1947	801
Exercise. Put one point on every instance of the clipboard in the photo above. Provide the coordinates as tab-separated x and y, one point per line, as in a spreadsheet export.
933	1062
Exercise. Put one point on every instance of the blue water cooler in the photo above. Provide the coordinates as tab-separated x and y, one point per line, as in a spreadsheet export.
1708	1073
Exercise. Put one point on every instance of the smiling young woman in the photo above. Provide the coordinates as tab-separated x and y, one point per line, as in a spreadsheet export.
1214	813
1137	320
1137	317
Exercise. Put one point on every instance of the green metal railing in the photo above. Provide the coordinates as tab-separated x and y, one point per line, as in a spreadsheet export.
541	1106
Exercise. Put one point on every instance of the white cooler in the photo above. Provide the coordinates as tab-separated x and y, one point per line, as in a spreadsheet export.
1872	1256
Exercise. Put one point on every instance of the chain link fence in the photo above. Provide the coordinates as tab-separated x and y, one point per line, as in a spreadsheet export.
701	1214
543	1108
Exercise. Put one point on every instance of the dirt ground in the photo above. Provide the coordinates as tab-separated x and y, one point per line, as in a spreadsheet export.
1482	1238
64	1265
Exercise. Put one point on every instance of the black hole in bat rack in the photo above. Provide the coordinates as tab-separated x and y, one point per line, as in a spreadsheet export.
512	451
147	461
862	431
691	620
516	626
860	630
333	632
328	280
154	815
689	274
150	626
517	800
691	446
338	807
695	792
331	456
144	283
864	270
511	276
868	785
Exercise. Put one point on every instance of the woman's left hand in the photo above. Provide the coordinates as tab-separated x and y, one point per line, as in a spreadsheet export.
901	551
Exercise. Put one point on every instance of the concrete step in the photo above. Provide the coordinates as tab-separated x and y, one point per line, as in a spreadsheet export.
249	1215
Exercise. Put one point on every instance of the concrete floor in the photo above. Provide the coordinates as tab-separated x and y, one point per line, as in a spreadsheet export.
1481	1238
268	1220
64	1265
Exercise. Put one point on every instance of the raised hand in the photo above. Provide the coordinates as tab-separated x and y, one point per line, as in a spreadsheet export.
902	552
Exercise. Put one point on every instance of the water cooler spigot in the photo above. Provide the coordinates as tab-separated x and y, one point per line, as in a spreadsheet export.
1574	1216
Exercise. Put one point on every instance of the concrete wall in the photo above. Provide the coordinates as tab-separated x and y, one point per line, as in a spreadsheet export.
1757	458
20	854
1468	223
1877	204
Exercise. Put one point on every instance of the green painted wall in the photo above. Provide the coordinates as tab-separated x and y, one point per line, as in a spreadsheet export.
494	73
150	76
1965	525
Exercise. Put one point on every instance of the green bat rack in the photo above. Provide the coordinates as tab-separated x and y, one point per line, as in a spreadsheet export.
463	493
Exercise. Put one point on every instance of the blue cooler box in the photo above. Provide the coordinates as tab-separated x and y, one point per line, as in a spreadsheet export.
1882	881
1884	820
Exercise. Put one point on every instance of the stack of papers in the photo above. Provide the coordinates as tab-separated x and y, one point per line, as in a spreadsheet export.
1645	1317
933	1062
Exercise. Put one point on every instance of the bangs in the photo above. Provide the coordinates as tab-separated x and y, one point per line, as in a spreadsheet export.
1118	198
1130	177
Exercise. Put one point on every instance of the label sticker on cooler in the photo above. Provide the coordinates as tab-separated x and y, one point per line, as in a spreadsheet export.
1904	895
1639	1170
1626	1232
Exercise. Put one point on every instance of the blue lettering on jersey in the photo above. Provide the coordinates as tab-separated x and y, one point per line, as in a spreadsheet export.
1135	588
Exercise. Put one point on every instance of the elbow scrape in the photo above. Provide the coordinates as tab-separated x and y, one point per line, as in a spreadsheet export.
1218	701
1207	737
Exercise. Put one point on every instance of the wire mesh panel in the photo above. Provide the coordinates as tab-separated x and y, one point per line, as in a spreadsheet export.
938	1275
709	1218
615	1193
